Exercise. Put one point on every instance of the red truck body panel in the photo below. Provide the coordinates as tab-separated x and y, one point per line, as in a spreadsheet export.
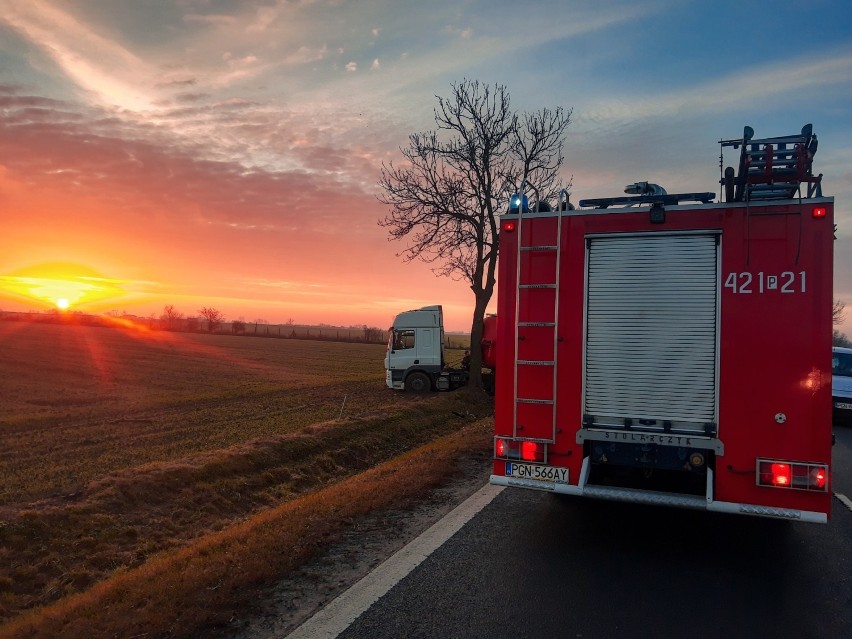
771	375
489	342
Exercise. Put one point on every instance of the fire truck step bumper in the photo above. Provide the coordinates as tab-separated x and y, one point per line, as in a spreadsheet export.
693	502
645	497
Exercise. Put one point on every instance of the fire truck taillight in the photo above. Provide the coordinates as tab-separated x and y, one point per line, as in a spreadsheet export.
524	450
529	451
796	475
501	448
819	211
780	475
509	227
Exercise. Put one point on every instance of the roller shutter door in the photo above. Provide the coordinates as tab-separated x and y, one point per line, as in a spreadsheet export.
651	333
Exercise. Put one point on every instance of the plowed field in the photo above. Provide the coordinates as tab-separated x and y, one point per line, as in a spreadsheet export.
117	444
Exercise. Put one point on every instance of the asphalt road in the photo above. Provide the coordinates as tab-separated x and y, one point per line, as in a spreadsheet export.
537	565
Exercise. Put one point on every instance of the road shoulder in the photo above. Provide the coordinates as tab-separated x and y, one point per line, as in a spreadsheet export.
367	542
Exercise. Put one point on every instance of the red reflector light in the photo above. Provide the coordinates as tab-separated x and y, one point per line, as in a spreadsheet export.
819	211
509	227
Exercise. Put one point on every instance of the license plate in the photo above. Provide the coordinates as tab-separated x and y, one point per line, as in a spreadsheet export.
536	472
843	405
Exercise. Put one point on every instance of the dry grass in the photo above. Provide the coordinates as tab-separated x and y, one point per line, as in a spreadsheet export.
202	585
129	459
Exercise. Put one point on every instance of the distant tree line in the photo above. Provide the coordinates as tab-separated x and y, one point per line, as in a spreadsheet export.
213	321
209	320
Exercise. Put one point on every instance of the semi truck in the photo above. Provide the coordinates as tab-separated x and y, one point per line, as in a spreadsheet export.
671	349
415	360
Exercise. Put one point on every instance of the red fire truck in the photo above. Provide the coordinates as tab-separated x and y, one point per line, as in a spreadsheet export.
668	349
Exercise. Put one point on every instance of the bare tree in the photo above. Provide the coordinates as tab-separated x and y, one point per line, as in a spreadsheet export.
171	316
214	317
838	312
454	182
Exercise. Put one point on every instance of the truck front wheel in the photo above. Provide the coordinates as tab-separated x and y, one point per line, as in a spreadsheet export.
418	383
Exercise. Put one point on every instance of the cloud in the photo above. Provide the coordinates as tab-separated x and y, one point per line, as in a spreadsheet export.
791	77
217	19
86	158
169	84
465	33
85	56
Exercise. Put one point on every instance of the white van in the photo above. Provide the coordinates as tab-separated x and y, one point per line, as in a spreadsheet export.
841	384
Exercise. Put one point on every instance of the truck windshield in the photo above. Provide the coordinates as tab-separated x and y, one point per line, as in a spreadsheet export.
841	364
402	340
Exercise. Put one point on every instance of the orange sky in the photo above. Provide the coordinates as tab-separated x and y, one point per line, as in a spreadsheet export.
137	259
227	154
156	226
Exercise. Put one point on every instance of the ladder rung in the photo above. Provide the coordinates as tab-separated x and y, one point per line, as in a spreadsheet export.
539	248
535	362
522	400
537	286
536	323
789	162
761	153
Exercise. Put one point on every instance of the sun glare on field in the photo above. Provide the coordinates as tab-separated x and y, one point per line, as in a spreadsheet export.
60	285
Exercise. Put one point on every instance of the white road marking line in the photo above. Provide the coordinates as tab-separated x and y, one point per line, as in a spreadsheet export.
844	500
339	614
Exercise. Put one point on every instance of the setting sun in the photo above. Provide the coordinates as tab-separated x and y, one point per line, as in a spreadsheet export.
60	284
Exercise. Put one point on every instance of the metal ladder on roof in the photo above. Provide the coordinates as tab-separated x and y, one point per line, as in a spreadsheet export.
772	168
551	322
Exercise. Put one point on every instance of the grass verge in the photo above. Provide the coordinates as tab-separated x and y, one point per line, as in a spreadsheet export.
201	585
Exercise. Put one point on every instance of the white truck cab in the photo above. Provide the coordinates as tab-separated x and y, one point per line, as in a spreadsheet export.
841	384
415	355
